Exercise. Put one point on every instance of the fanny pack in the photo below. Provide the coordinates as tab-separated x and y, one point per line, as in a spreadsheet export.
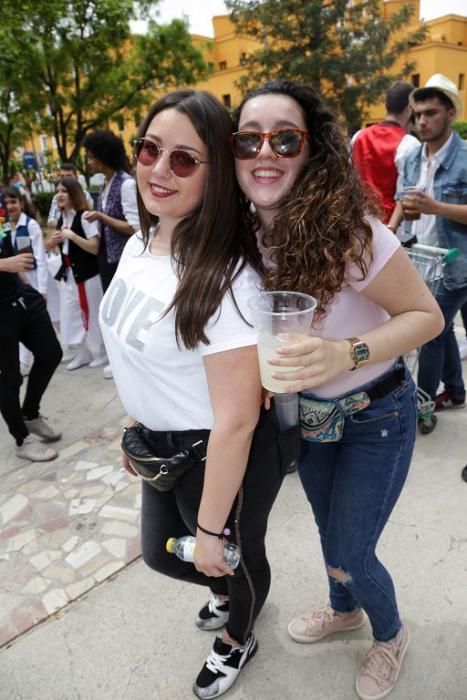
323	420
162	473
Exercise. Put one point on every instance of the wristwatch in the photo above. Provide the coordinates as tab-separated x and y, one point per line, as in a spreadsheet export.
359	352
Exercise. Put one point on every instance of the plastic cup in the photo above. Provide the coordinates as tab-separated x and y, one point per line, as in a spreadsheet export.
406	195
274	313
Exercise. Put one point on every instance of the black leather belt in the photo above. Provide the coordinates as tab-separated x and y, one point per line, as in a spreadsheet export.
165	441
386	385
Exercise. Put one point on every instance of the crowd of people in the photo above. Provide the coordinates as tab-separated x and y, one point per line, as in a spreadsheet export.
221	210
50	289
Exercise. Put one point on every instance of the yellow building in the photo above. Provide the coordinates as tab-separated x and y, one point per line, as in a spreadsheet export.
444	51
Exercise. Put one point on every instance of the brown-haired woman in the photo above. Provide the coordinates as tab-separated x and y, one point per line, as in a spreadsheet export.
184	360
358	413
80	286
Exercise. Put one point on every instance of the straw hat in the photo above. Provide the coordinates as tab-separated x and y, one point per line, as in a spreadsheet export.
440	82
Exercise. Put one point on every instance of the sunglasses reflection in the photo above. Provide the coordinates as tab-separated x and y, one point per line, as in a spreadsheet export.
284	143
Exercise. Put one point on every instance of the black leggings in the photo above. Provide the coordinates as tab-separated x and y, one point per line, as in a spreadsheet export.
25	320
174	514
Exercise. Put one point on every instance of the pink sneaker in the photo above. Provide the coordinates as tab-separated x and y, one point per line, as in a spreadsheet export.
381	667
313	626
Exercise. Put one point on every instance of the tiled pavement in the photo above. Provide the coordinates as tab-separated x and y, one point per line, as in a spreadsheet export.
72	525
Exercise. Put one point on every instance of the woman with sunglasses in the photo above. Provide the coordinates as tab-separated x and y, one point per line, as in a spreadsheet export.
183	355
319	235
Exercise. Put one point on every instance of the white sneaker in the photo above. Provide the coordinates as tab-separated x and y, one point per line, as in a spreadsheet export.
107	372
35	450
222	667
69	354
99	361
462	348
39	426
83	357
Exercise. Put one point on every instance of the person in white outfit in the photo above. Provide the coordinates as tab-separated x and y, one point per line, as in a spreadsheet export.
80	284
26	236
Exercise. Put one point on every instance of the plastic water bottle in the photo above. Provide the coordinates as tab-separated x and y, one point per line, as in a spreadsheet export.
286	410
184	548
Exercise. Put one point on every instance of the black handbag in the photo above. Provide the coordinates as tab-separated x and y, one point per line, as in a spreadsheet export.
162	473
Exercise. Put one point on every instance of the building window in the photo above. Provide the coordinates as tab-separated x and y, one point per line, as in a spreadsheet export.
226	100
120	122
43	142
416	79
460	82
222	65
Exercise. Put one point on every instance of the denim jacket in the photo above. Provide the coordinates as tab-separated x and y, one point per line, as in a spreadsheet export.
450	186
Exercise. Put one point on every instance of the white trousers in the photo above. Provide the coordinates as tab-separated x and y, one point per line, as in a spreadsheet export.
72	329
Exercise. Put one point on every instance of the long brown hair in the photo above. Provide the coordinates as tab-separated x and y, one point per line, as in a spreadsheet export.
212	244
75	192
320	225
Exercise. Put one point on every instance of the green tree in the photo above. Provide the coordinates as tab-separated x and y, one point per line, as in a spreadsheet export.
86	66
461	128
344	48
17	109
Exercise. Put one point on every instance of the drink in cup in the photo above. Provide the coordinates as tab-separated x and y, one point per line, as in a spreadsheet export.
410	214
273	314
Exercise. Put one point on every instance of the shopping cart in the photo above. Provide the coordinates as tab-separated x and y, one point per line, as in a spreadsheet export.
429	261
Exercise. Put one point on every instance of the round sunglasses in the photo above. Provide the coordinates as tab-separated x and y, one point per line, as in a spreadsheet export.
182	163
285	143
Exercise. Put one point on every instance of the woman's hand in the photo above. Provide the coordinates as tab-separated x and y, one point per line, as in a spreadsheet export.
92	215
209	556
266	398
127	466
320	360
56	239
67	233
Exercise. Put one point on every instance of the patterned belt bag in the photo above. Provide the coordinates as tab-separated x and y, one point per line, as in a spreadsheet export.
323	420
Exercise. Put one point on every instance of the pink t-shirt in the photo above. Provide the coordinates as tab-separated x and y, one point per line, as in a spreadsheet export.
350	313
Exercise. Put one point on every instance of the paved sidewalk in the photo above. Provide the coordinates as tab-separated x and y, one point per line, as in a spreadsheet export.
132	636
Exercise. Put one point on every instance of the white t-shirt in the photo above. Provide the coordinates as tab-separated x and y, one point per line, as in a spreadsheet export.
160	384
350	314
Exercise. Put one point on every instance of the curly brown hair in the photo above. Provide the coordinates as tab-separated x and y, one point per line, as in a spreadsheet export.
321	224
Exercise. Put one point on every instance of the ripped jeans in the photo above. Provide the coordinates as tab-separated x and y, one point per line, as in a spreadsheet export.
352	486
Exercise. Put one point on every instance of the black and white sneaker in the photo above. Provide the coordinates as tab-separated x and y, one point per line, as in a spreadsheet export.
214	615
222	667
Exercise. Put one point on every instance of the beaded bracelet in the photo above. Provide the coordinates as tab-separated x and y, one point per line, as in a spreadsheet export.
219	536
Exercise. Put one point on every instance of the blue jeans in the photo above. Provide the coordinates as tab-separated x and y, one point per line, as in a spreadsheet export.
352	486
439	359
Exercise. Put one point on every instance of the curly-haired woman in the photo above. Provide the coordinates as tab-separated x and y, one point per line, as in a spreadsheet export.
320	235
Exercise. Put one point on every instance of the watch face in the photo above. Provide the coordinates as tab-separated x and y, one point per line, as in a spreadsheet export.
361	352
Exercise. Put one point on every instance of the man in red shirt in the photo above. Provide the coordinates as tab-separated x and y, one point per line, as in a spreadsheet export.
379	150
